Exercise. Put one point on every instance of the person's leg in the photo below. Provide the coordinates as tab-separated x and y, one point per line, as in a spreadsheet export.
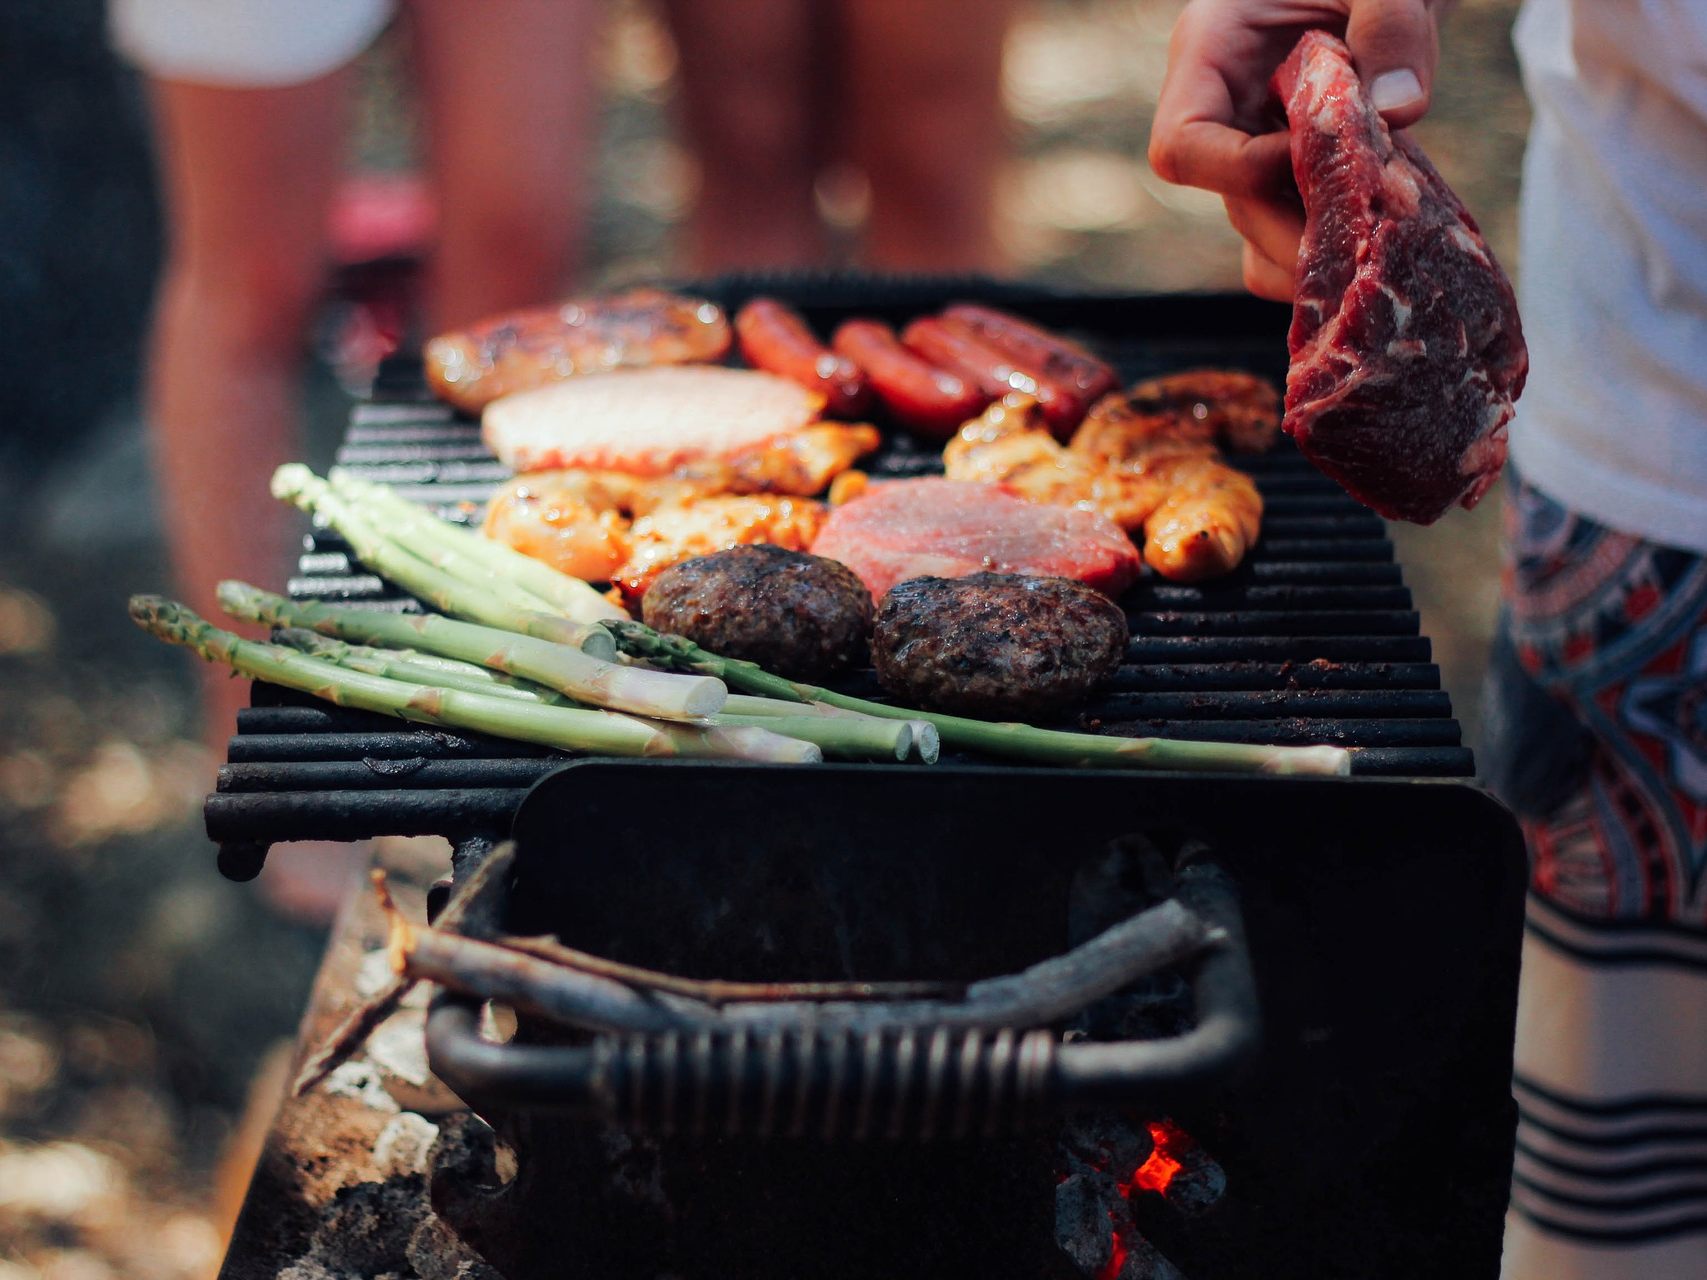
748	103
922	86
509	99
1603	651
246	175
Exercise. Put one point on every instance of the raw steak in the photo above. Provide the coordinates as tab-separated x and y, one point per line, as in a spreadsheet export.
950	529
1406	347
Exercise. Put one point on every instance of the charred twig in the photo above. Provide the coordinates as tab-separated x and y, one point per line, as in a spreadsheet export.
364	1019
1047	992
719	991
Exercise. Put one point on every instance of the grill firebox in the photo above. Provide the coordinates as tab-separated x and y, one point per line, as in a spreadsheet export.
1372	1137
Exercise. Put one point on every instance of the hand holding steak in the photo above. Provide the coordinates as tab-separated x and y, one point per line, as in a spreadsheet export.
1407	352
996	645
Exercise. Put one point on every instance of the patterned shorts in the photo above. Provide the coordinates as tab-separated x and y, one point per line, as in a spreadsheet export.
1597	714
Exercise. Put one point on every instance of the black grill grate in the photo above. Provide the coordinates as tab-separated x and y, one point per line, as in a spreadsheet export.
1312	640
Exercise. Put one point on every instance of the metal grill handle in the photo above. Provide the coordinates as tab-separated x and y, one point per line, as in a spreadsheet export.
896	1083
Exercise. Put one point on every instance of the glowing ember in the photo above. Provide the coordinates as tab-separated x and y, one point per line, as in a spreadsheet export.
1111	1269
1158	1171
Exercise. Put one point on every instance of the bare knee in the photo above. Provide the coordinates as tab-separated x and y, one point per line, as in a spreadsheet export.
250	306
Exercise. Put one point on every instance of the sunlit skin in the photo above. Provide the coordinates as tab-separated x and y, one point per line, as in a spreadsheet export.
248	176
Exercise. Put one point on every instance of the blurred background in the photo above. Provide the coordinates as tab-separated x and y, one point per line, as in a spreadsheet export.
139	992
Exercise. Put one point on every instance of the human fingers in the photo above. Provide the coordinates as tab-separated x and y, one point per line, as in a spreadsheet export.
1274	227
1196	140
1396	47
1265	278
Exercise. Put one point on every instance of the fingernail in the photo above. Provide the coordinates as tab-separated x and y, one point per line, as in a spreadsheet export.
1394	89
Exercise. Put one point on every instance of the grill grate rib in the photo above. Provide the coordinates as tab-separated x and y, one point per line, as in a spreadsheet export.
1313	639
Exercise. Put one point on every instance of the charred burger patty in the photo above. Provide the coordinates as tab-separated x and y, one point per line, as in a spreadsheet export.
798	615
996	645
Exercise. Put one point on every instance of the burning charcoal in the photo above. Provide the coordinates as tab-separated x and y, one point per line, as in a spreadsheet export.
1106	1142
1135	1258
1088	1207
1180	1171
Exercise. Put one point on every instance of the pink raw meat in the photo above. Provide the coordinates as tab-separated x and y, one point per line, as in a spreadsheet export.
951	529
1407	352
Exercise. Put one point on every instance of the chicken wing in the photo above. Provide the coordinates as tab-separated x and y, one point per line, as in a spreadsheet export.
1198	516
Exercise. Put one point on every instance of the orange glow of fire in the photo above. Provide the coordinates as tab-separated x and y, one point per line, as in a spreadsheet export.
1158	1171
1116	1263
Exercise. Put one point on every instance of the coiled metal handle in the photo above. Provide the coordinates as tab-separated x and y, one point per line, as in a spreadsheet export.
813	1078
829	1085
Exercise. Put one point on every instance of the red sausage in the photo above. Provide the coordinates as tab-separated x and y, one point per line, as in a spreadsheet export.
928	400
1064	363
774	338
956	348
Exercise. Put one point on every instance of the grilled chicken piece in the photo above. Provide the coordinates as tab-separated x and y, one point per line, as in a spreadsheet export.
1209	519
575	521
579	521
1009	444
802	463
680	531
1198	515
1202	406
649	422
524	349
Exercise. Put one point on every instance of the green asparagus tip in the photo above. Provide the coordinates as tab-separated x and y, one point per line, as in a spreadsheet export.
290	479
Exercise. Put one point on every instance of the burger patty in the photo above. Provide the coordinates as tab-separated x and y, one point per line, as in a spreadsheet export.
800	616
995	645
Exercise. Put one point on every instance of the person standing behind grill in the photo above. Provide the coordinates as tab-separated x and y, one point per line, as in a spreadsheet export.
775	94
1598	684
251	99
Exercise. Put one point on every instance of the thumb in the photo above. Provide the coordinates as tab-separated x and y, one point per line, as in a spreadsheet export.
1395	45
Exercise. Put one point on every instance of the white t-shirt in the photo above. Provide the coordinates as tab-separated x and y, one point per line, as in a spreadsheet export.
1613	286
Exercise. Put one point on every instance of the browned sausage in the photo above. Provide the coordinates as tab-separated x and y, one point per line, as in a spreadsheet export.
1034	348
774	338
929	401
956	348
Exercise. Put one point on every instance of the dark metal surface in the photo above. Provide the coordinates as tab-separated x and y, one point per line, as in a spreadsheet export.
1382	921
1313	639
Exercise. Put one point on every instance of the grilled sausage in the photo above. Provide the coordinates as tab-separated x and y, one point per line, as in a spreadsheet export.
1049	355
996	645
957	348
800	616
774	338
928	400
521	350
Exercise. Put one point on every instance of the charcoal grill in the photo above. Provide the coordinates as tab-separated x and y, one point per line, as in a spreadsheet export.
1383	911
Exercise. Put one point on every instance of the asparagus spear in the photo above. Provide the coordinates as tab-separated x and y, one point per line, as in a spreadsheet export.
420	668
571	597
452	584
1015	741
568	729
841	735
569	671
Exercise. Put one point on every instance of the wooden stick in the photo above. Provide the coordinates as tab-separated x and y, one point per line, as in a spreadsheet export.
719	991
364	1019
